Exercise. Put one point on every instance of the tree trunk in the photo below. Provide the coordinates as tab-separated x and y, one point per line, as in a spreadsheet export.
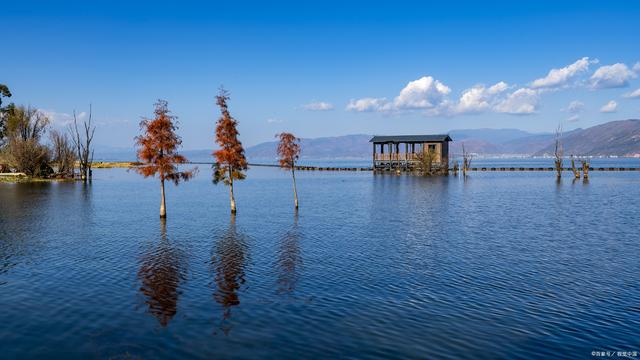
163	209
231	198
585	170
295	192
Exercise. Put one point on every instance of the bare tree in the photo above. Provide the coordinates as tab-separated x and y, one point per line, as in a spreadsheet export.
63	153
466	161
26	123
455	166
558	152
82	144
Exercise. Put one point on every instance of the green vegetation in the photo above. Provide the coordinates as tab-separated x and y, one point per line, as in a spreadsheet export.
22	150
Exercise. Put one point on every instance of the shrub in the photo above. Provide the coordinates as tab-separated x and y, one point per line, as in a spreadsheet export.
28	156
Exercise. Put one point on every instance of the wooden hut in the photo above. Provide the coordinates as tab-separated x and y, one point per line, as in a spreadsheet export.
403	151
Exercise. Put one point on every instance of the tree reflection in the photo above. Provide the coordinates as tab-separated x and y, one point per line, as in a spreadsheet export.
161	272
289	259
228	263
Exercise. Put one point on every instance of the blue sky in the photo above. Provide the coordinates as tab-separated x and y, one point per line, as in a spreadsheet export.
325	68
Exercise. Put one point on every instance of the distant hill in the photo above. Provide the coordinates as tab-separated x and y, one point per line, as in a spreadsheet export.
494	136
345	147
480	141
619	138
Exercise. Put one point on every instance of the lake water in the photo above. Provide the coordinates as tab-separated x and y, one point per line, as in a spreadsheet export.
500	265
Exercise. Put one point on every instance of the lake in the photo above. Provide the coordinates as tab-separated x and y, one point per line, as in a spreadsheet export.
498	265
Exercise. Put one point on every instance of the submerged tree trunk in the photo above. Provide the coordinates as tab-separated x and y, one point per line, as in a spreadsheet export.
231	198
558	163
295	192
585	169
576	173
163	209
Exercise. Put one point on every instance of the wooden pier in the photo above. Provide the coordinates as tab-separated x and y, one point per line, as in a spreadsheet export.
514	169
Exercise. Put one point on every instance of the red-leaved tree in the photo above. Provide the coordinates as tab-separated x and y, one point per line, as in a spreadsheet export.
289	152
230	161
157	150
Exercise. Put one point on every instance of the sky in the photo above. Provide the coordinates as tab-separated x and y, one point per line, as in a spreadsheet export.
324	68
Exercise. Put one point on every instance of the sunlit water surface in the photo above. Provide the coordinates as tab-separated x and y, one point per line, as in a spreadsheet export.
501	265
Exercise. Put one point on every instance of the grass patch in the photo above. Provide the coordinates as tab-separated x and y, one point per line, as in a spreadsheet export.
109	165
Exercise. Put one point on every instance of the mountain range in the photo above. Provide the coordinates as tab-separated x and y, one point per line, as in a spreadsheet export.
615	138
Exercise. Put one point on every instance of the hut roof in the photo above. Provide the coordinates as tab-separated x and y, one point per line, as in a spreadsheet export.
410	138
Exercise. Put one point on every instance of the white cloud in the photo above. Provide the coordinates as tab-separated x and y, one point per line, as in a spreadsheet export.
562	77
424	93
633	95
573	118
613	76
479	98
273	121
575	107
318	106
430	97
369	105
59	119
523	101
609	107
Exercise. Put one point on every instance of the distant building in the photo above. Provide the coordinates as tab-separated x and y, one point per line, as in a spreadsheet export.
403	152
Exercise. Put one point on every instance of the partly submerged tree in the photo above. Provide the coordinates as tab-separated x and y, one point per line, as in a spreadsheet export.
289	152
466	161
230	160
576	172
558	152
158	146
82	144
585	168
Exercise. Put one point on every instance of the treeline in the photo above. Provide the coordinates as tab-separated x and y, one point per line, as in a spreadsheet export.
157	150
25	149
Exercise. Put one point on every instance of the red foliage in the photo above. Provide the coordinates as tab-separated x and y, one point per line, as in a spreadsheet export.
230	159
158	147
288	149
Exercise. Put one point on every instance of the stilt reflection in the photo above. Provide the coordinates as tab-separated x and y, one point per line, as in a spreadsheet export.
228	263
161	271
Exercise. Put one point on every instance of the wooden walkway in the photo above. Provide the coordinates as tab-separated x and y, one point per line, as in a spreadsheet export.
551	169
324	168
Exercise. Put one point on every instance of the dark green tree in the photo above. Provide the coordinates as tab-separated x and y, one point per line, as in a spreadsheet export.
4	92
